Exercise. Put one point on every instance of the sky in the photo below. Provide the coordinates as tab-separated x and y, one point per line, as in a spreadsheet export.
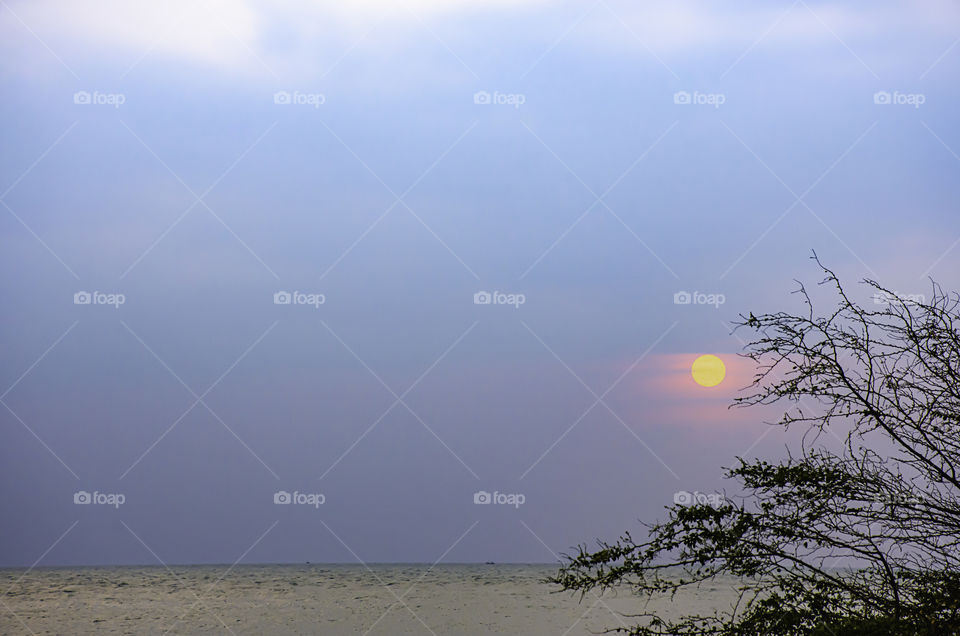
407	282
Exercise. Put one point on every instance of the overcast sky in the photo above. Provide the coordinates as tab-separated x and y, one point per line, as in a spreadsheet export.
180	164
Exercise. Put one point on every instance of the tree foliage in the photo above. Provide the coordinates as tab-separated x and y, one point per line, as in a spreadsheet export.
861	540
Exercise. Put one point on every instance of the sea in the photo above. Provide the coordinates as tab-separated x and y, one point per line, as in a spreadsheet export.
377	599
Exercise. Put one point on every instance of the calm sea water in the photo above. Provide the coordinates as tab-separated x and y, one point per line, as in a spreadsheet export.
314	599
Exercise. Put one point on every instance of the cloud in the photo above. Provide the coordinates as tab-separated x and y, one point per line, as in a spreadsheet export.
220	33
695	25
213	32
286	37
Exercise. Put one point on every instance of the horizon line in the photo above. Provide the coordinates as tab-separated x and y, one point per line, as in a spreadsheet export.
268	563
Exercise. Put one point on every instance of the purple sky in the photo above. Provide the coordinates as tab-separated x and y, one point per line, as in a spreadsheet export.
588	161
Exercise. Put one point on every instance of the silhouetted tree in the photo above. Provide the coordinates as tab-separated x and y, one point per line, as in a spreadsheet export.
884	378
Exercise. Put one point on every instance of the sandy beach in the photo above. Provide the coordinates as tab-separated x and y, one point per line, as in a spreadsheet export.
315	599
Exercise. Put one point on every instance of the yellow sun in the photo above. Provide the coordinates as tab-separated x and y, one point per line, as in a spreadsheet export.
708	370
